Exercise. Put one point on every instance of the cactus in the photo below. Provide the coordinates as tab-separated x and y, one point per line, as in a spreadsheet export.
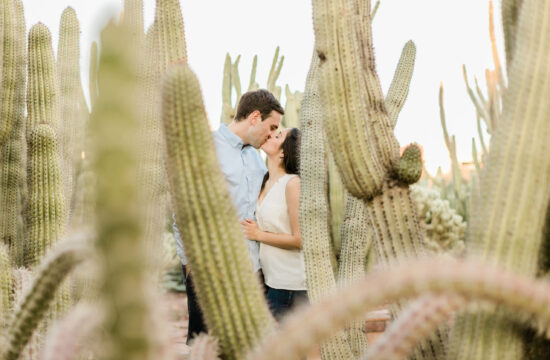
120	233
409	167
36	301
12	151
73	108
46	215
437	276
12	28
503	229
93	74
399	88
6	287
212	237
42	90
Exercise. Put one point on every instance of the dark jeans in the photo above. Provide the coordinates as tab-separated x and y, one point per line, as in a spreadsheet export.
196	321
282	301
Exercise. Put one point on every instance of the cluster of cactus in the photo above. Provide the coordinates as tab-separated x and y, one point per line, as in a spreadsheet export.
344	116
445	229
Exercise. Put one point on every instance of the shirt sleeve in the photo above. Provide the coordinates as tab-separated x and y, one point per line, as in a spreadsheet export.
177	236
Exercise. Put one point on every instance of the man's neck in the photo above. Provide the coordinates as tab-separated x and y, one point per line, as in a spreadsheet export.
238	128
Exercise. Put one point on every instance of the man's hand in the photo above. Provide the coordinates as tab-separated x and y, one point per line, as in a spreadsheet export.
251	230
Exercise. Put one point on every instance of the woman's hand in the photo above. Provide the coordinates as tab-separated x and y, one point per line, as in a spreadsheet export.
251	230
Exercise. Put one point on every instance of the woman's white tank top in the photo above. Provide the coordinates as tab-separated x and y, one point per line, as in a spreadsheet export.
282	268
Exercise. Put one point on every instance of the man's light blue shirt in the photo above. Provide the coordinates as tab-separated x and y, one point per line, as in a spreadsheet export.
244	170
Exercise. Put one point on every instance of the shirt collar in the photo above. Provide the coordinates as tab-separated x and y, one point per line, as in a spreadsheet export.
231	137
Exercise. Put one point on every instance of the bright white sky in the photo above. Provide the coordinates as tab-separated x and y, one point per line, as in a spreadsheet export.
447	33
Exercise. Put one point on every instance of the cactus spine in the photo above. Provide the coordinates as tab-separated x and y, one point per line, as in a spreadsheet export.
42	90
212	235
12	155
47	214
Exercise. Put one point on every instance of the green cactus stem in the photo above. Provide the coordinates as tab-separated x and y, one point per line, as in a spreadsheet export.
73	109
42	89
314	214
12	38
415	323
93	75
409	168
292	108
510	11
6	287
133	17
399	88
252	84
46	213
170	33
228	111
274	73
36	302
357	239
337	204
12	152
120	230
210	229
439	276
506	226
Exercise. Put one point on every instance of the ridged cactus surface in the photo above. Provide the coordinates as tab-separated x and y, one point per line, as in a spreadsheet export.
210	229
12	28
114	127
12	151
73	109
46	210
506	226
6	287
42	89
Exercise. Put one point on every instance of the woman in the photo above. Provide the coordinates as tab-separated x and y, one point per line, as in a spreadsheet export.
278	230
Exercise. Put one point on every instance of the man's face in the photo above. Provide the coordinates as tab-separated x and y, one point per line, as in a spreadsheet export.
260	130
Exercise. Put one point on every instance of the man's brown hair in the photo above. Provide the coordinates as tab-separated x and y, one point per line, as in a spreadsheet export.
261	100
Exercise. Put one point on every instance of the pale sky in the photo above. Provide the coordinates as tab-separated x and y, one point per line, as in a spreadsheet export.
447	34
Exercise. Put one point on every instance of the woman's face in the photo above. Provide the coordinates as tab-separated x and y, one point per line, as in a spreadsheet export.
273	145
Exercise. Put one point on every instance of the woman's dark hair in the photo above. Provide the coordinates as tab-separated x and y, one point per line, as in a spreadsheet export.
291	154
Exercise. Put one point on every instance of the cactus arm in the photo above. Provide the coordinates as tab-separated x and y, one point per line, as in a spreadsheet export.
93	74
235	78
170	33
475	157
314	216
439	276
357	239
337	204
252	85
480	133
477	103
415	323
11	31
451	145
37	300
227	107
42	89
375	9
212	236
272	77
204	347
12	152
507	220
353	98
399	88
133	17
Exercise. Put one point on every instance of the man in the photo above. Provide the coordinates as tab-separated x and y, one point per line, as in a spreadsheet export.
258	117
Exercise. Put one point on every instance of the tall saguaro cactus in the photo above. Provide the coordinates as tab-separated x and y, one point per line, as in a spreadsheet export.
73	108
120	231
506	226
12	151
211	232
